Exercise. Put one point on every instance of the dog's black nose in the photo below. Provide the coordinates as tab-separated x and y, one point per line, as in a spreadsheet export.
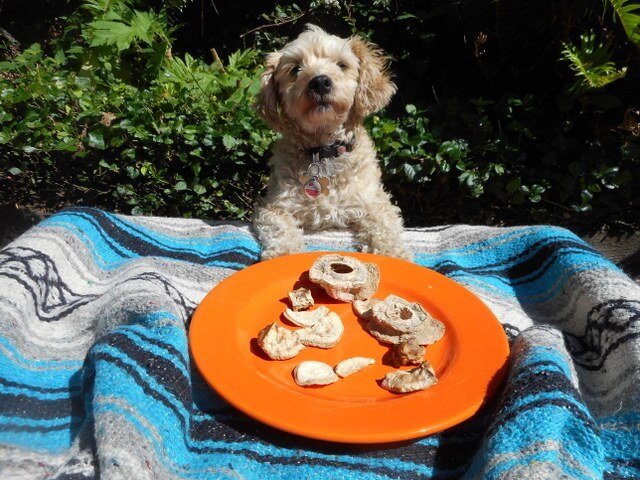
320	84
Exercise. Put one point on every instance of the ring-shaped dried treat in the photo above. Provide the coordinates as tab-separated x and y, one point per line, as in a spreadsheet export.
399	314
344	278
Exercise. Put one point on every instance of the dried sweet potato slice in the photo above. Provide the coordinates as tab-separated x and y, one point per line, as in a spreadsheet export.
408	352
352	365
306	318
326	333
403	381
312	372
278	342
301	299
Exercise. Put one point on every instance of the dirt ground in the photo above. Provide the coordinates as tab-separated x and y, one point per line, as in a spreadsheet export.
15	221
622	248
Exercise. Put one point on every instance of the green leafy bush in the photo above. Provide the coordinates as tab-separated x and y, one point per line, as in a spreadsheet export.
512	121
112	118
505	113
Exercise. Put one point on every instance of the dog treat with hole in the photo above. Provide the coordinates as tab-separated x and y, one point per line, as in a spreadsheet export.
306	318
301	299
311	372
429	333
403	381
344	278
395	320
371	285
352	365
326	333
279	343
408	352
399	314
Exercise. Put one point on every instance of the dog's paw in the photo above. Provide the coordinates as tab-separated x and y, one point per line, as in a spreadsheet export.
403	254
269	253
395	252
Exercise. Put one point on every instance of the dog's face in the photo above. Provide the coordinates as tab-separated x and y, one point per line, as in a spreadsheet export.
317	78
321	83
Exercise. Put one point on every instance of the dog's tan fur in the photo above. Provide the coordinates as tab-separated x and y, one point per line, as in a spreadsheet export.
356	198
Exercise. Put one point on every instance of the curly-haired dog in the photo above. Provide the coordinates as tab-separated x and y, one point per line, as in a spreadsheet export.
316	92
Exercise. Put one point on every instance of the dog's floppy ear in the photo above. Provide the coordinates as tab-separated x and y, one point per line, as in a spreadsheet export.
375	87
268	104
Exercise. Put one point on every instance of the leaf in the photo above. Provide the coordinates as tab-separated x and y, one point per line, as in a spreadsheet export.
468	178
409	171
109	166
629	15
406	15
181	185
514	185
454	150
5	116
592	64
132	173
95	139
106	32
229	142
142	25
60	57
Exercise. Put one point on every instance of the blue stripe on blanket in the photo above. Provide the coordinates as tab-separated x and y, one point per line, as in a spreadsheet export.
40	402
114	241
16	367
620	436
52	437
532	263
136	391
542	419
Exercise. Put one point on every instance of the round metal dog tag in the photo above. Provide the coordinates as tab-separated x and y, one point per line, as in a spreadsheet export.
312	188
314	170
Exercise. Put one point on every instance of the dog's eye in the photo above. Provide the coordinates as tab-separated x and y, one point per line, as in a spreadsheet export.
342	65
295	70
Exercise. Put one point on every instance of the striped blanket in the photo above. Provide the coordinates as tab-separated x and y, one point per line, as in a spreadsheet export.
96	379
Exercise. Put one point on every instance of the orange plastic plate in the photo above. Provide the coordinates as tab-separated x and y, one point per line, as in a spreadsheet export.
470	360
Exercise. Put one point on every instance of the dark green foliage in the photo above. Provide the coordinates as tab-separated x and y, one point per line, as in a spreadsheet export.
506	112
111	117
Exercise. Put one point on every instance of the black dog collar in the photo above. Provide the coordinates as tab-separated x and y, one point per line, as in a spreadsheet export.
331	151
